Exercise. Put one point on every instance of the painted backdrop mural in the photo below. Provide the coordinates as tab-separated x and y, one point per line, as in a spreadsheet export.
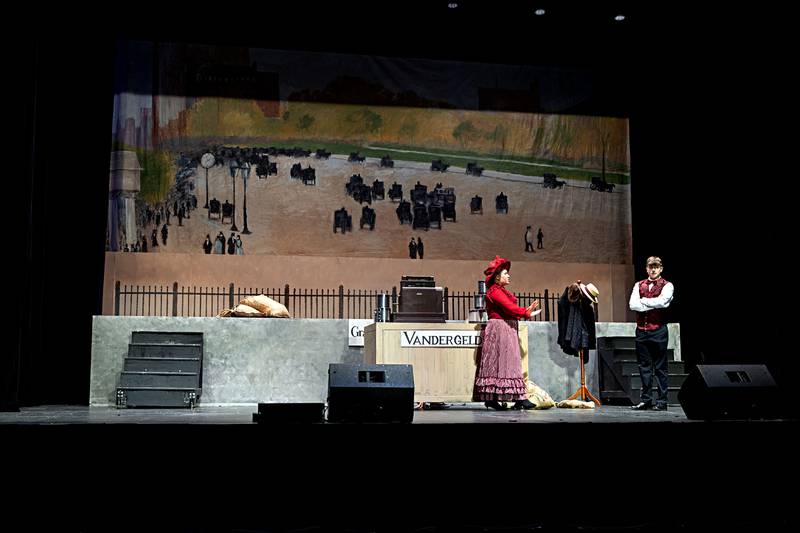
249	151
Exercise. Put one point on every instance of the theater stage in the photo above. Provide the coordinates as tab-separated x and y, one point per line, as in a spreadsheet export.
464	468
456	413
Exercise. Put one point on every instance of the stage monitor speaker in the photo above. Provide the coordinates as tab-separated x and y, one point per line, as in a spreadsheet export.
370	393
742	392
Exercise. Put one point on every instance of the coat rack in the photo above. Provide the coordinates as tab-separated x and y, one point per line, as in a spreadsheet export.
582	392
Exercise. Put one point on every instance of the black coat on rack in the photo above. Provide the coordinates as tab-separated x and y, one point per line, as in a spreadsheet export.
586	318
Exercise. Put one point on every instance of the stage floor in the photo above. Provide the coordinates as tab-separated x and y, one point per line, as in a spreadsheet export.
469	413
213	465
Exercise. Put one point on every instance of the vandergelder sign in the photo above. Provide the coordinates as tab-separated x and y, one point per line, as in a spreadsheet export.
427	338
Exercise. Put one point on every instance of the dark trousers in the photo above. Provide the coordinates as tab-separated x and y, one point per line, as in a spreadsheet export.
528	246
651	354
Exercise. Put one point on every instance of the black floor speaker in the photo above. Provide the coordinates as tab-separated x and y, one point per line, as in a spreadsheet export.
713	392
370	393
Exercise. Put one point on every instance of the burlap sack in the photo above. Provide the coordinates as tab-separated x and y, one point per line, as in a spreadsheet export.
539	397
257	302
575	404
267	305
247	311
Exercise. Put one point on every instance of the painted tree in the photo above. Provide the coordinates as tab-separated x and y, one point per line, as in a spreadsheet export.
305	122
466	133
603	129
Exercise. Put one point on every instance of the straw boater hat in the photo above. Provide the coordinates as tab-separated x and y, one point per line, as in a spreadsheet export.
497	265
590	291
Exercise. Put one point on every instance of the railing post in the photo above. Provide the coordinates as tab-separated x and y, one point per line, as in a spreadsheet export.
286	295
546	307
341	301
394	299
175	298
446	305
230	296
116	298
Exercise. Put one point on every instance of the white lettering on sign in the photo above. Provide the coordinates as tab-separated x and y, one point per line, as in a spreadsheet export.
355	327
427	338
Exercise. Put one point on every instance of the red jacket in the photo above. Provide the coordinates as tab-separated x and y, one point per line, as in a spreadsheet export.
502	304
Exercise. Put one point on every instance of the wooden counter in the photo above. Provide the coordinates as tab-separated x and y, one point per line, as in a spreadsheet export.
442	373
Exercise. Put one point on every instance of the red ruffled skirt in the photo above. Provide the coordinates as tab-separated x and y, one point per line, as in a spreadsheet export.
499	373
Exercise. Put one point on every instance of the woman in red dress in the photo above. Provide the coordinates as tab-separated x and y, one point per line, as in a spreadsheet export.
499	376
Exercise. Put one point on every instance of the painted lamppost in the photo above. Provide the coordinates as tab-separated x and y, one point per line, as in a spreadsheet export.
233	168
245	168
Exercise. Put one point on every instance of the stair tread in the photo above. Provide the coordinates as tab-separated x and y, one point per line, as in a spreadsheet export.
637	389
671	374
618	348
141	357
623	350
165	343
623	364
160	373
636	361
172	332
157	372
669	362
158	388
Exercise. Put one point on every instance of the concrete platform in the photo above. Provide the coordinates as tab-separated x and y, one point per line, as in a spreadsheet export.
248	360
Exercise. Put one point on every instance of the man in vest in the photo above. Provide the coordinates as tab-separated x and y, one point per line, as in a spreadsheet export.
650	299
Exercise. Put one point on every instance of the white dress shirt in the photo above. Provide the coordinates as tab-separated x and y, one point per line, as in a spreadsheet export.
661	301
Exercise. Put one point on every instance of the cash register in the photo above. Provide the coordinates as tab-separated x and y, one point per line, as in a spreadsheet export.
420	300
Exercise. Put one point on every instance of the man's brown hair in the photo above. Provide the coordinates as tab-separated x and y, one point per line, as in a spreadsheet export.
654	260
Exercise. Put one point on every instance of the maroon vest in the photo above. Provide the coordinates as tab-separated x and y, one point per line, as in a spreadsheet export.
655	318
